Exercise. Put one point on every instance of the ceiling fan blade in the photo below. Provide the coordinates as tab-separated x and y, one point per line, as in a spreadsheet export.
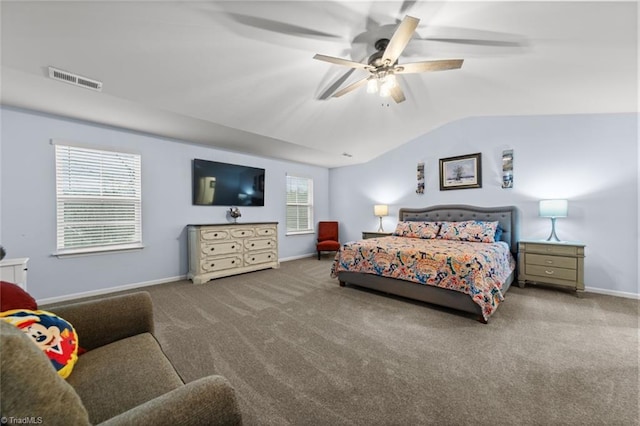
280	27
351	87
340	61
400	39
472	37
397	94
406	5
333	87
415	67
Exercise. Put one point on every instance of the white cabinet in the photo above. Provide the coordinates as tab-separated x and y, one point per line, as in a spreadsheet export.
221	250
14	271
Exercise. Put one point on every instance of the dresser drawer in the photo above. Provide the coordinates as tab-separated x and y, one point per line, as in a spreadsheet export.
264	257
551	272
214	234
242	233
218	264
265	231
260	244
546	260
214	249
554	249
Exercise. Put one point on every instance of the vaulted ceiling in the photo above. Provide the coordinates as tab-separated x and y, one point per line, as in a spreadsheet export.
240	75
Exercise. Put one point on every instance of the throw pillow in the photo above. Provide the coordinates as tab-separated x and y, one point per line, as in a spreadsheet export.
416	229
12	296
52	334
469	230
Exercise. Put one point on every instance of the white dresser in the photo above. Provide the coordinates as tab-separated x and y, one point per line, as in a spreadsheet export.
14	271
220	250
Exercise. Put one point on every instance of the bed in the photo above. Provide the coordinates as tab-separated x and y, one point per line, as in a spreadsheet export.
477	274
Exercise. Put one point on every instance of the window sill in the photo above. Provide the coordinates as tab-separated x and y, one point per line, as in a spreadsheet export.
311	231
95	251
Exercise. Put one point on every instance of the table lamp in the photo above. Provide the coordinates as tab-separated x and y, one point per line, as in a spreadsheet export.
380	210
553	209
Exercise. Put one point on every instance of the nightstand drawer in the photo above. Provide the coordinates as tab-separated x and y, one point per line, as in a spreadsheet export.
552	249
550	261
551	272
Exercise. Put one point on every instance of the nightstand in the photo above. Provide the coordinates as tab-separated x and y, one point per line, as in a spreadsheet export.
558	264
375	234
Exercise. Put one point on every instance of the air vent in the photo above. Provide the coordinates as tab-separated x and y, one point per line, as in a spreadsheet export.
75	79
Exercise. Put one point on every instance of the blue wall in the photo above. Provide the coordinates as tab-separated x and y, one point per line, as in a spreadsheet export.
28	227
591	160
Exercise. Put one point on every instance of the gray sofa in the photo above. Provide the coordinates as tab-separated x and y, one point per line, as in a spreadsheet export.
124	378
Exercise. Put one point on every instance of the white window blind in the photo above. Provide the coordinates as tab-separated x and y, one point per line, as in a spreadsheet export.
299	205
99	200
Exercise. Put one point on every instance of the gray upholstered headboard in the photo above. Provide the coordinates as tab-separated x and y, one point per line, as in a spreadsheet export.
507	216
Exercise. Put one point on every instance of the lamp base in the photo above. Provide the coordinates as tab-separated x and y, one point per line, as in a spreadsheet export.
380	227
553	236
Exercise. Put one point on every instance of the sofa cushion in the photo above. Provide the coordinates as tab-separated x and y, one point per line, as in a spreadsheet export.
121	375
30	385
51	334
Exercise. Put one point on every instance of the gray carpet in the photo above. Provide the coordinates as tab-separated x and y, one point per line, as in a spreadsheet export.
300	350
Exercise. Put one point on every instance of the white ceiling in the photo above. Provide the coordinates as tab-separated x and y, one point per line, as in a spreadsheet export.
239	75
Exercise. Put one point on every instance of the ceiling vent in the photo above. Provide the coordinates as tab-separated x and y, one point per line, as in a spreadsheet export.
75	79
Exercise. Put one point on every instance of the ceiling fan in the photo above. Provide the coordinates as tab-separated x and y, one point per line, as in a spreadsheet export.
383	64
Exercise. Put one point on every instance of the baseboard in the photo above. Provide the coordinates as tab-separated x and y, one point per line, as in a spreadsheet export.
100	292
302	256
612	293
73	296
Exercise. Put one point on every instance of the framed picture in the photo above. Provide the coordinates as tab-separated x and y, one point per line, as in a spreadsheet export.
462	172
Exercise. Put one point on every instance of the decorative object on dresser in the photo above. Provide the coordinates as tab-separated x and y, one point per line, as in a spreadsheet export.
14	271
220	250
328	237
375	234
380	210
461	172
434	245
234	212
558	264
553	209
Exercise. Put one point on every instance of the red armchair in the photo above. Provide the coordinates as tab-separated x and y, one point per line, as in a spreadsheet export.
327	237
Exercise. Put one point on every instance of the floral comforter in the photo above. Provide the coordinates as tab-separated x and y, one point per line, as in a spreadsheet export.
476	269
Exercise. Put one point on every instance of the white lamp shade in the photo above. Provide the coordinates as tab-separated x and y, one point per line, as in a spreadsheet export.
553	208
380	210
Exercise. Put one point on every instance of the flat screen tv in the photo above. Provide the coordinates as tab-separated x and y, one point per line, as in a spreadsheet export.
223	184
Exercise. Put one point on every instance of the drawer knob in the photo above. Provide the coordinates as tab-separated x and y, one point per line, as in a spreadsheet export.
233	247
548	272
242	232
233	261
252	244
213	264
253	258
215	235
212	249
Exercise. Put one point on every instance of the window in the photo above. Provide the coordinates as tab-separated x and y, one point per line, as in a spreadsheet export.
99	200
299	205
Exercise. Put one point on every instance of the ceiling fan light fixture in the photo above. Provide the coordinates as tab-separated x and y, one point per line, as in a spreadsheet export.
372	85
388	83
